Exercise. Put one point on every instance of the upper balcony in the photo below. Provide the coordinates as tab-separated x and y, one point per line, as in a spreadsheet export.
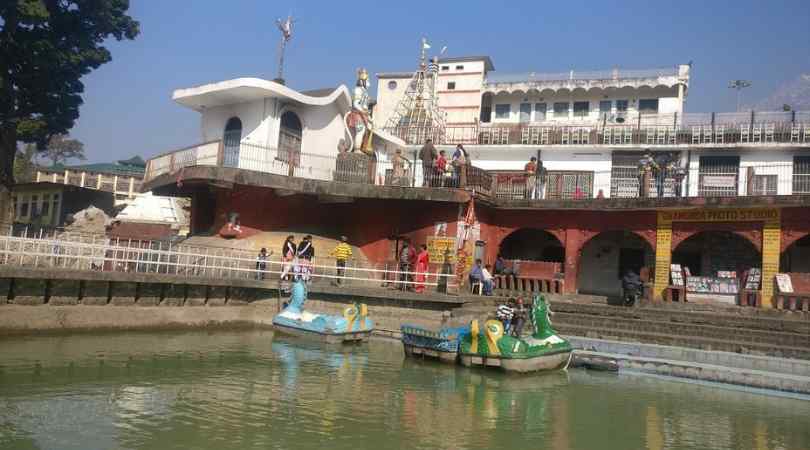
693	130
626	184
496	83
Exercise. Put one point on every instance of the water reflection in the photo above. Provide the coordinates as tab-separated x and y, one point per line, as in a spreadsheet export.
255	390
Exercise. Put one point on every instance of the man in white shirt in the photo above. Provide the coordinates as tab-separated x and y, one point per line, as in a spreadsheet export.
487	279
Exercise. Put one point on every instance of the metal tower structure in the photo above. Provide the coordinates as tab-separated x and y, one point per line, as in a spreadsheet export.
417	116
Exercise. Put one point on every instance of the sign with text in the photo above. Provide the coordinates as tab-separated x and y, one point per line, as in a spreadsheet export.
719	215
437	247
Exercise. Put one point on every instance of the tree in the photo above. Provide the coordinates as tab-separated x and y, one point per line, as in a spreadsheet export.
46	46
61	148
25	163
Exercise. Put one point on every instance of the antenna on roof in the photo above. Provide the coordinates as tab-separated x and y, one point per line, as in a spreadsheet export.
286	34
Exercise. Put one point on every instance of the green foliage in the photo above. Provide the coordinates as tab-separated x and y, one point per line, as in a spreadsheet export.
46	46
25	164
61	148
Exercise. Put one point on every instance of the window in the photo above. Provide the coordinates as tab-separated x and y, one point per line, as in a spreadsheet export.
561	109
801	174
34	205
648	106
392	85
718	176
445	68
502	111
621	106
763	184
525	112
232	139
451	85
289	139
539	112
459	67
46	205
581	109
24	205
604	108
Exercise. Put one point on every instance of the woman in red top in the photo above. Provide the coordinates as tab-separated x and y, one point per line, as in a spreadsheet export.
422	261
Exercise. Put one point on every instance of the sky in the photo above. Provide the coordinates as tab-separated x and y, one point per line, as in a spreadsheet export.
128	109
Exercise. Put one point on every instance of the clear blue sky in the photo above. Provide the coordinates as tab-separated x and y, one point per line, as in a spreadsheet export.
128	108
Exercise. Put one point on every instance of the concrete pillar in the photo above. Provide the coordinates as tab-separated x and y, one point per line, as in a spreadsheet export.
771	246
663	255
573	246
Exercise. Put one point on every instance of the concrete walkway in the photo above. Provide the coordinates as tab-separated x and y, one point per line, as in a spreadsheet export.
782	374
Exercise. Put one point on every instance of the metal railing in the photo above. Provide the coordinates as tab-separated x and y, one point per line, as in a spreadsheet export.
578	75
101	254
716	178
655	130
125	185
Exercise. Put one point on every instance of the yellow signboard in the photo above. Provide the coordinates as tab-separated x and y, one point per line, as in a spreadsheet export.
771	235
437	247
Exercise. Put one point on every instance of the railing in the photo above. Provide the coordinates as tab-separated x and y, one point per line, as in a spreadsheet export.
124	185
698	129
616	74
718	177
101	254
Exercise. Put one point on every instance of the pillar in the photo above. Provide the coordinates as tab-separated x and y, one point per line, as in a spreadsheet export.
771	245
663	254
573	245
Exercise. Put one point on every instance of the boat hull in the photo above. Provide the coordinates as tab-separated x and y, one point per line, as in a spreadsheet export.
419	352
549	362
350	337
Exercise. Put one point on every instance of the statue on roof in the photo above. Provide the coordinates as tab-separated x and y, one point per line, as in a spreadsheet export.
359	119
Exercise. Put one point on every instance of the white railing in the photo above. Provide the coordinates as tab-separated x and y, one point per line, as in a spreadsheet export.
128	256
579	75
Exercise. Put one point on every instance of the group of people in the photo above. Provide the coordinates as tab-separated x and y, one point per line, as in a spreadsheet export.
438	171
481	275
413	266
536	177
658	169
296	259
513	314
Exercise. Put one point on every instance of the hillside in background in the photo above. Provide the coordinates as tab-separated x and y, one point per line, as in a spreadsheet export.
795	93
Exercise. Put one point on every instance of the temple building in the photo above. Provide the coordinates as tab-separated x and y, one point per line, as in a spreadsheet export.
711	204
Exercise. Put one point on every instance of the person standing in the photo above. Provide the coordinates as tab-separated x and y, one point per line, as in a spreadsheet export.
401	166
288	253
305	254
261	264
422	265
530	170
504	313
519	316
441	168
406	256
342	252
460	162
427	154
542	178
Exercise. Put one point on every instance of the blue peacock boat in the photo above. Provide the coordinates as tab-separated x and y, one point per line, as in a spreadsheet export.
353	326
441	345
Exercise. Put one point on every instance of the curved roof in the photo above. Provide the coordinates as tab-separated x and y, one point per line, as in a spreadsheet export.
241	90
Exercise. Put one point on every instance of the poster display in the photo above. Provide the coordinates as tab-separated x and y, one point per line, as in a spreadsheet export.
754	279
784	283
677	275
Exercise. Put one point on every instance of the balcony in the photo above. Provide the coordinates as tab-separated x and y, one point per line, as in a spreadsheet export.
603	79
699	130
119	185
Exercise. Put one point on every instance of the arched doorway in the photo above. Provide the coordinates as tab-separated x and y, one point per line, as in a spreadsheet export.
289	139
796	258
531	244
231	139
606	258
708	252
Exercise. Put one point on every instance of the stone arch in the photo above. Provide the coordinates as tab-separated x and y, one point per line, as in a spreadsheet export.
606	256
532	244
795	256
708	251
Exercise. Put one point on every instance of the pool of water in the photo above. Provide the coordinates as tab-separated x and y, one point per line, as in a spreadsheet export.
244	390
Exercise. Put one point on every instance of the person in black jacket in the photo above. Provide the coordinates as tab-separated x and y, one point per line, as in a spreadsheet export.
631	287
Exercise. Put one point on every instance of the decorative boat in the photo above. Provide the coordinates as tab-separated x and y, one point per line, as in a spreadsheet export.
441	345
353	326
543	350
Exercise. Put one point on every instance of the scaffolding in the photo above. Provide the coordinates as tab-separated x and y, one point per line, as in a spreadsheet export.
417	116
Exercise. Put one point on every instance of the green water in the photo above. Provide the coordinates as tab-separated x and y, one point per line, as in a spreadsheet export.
244	390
